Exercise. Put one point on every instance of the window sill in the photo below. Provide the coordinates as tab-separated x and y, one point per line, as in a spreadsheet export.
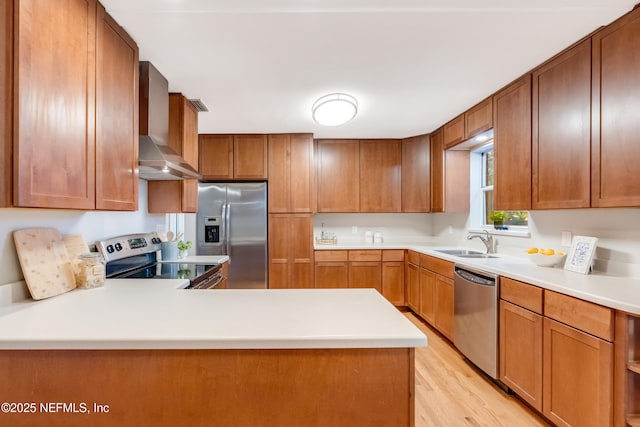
512	232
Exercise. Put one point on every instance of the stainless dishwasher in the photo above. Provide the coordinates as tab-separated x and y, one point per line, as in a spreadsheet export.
476	317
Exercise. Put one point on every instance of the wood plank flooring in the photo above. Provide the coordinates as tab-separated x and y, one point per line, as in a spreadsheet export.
451	392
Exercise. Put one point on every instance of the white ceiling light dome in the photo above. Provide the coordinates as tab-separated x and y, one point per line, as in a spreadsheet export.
334	109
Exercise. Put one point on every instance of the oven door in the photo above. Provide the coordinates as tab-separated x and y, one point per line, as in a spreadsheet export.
212	279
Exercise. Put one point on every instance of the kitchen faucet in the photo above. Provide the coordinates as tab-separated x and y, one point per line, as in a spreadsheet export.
487	240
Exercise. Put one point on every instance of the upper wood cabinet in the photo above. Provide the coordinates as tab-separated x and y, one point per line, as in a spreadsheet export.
615	95
512	146
178	196
338	175
226	157
291	173
54	139
69	119
437	171
6	102
416	174
116	116
561	126
472	122
380	175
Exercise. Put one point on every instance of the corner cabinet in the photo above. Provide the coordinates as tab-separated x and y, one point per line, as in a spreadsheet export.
615	94
178	196
74	130
512	146
437	171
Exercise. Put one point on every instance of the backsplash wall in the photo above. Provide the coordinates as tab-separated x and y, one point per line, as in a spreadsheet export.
94	225
617	230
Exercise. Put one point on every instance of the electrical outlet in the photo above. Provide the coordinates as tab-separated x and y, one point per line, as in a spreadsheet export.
566	238
354	229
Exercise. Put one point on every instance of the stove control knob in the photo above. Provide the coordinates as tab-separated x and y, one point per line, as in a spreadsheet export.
118	247
110	249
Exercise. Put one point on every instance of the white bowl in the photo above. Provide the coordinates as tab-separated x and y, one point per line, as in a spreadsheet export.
546	260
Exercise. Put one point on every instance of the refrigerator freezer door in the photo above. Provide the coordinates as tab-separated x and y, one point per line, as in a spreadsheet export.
210	234
247	235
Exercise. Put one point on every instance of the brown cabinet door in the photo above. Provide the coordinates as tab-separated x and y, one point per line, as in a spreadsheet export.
413	287
331	274
250	157
416	170
512	146
437	171
521	352
478	118
393	282
6	102
291	173
615	95
457	178
291	251
215	156
380	176
427	296
577	382
454	132
365	274
116	116
54	144
561	142
444	305
338	176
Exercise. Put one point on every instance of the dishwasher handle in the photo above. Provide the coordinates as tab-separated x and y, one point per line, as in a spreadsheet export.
475	278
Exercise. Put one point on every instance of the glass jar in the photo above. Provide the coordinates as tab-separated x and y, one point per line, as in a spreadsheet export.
91	270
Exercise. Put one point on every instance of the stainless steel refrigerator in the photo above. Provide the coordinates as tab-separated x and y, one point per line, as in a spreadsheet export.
232	220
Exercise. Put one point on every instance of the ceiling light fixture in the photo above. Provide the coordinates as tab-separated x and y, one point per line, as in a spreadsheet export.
334	109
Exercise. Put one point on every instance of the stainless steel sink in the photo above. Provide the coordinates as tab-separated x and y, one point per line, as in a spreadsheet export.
465	253
458	252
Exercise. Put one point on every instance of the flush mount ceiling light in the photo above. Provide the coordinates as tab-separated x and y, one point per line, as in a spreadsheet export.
334	109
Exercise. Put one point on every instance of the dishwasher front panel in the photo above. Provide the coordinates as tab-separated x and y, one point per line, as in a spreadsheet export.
476	318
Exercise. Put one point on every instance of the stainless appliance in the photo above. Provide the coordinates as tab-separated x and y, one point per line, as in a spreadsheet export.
133	256
157	159
476	317
232	220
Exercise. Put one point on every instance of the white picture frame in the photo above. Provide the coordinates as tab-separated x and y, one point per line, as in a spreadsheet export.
583	249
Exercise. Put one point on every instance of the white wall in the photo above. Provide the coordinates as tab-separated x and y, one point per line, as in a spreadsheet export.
618	231
93	225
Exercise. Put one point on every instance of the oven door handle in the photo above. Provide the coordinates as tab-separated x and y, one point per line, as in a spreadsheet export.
216	278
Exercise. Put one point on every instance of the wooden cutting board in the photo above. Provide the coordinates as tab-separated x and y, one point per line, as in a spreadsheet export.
44	261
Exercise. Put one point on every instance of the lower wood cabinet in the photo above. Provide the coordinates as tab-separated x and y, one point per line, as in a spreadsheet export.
393	283
444	295
365	274
427	292
413	286
557	357
331	269
291	251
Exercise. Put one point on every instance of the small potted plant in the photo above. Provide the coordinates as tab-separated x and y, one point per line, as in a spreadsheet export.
183	247
498	217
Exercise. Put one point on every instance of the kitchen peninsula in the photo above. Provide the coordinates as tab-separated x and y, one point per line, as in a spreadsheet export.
154	354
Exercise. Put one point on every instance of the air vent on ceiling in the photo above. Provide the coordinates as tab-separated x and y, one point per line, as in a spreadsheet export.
200	106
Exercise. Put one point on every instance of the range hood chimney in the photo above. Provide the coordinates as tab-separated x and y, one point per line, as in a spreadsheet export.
157	160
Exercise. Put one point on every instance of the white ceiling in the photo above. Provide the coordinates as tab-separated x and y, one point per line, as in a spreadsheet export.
412	64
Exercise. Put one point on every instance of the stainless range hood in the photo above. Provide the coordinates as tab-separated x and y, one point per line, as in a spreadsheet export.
157	160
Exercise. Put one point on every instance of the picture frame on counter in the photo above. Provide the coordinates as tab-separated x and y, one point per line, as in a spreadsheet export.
583	249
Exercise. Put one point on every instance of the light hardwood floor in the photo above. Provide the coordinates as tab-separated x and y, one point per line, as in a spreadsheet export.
451	392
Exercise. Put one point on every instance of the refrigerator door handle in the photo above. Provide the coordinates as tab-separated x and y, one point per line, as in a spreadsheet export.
223	237
227	221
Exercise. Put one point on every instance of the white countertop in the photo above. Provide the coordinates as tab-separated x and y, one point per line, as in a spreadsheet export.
157	314
621	293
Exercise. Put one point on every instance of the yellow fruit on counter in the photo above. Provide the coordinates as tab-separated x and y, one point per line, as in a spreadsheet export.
532	250
560	253
547	251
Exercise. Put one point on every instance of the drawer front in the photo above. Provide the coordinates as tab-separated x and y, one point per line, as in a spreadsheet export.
591	318
414	257
324	256
522	294
393	255
366	255
437	265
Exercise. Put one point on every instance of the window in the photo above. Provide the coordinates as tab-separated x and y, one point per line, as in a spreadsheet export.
489	216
